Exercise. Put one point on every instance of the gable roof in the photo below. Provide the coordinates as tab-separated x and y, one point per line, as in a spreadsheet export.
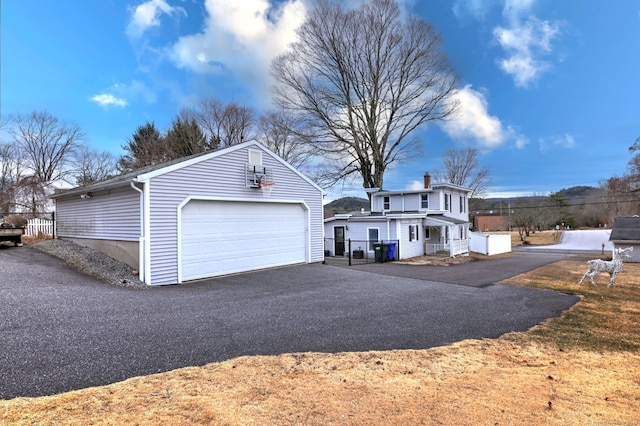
625	229
150	172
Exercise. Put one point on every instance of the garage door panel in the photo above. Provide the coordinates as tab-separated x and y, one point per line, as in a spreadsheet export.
221	237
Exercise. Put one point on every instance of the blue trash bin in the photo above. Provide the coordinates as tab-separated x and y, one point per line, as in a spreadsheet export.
392	251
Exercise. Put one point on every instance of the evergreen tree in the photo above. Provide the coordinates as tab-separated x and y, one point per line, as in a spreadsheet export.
186	138
146	147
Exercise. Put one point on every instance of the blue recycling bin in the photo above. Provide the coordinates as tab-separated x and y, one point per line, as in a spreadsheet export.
392	251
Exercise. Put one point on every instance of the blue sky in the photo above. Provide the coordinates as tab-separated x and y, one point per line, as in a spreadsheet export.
549	91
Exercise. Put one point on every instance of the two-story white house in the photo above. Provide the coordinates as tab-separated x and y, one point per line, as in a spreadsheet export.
431	220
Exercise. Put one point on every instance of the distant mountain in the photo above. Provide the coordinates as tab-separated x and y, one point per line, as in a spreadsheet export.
579	192
574	196
345	205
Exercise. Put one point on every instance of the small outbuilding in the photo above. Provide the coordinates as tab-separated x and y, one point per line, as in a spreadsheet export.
237	209
626	233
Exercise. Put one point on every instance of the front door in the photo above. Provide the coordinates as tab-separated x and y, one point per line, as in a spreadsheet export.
338	238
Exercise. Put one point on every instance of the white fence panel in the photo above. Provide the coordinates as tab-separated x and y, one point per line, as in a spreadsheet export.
35	226
490	244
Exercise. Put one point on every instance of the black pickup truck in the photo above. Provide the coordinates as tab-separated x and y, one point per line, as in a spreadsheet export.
11	233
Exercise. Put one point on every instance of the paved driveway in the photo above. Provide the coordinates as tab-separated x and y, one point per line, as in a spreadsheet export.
61	330
580	240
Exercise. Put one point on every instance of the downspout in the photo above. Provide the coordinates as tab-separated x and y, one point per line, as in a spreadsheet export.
141	238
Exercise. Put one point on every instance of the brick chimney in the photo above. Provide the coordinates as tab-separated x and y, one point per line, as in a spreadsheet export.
427	180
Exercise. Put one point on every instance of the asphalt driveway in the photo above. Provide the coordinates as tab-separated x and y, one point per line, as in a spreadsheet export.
62	330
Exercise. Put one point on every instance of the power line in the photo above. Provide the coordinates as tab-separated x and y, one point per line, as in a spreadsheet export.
555	206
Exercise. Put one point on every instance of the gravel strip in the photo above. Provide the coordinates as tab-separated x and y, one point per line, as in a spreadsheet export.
91	262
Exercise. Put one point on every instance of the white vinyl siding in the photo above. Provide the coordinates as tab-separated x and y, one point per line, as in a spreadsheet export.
410	247
108	215
220	177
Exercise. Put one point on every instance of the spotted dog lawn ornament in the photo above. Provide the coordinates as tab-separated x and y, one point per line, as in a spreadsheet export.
612	267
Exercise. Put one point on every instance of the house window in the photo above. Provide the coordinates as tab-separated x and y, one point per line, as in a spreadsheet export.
413	233
447	202
427	233
255	157
386	203
462	233
424	201
373	236
462	204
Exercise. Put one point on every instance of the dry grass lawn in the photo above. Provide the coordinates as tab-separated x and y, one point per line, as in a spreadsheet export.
537	238
581	369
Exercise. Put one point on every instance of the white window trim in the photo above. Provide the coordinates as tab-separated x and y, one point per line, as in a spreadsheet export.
254	153
386	206
420	201
370	242
414	229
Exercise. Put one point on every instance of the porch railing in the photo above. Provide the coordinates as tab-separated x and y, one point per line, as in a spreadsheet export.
452	248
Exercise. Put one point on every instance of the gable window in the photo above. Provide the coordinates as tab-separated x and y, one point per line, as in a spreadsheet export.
386	203
424	201
255	157
373	236
413	233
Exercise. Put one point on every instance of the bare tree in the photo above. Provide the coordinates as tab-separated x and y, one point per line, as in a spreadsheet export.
91	166
284	134
32	194
224	125
10	173
47	143
633	167
460	167
364	80
621	197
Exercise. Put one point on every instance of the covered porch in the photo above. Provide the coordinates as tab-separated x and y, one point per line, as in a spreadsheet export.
445	236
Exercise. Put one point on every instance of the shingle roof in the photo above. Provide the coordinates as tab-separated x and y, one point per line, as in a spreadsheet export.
625	229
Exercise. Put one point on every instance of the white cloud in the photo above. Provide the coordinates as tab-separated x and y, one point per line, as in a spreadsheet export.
240	37
147	15
565	141
525	41
106	99
415	185
477	9
118	94
472	121
520	140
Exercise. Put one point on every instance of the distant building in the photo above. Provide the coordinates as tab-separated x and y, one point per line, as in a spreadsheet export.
626	233
490	222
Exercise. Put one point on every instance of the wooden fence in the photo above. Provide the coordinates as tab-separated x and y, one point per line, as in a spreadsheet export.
35	226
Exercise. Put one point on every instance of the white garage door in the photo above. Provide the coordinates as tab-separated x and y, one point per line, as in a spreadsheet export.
223	237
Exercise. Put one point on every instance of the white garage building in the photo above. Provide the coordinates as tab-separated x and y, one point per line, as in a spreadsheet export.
233	210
